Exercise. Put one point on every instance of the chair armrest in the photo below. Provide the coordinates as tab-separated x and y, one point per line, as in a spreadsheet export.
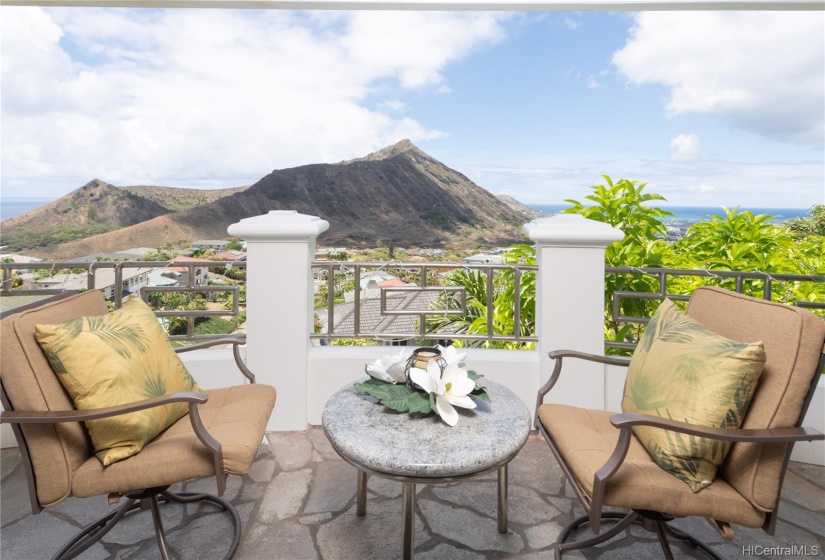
626	421
609	360
771	435
58	416
559	355
191	397
236	343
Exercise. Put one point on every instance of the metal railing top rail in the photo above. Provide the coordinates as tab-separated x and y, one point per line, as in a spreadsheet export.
663	274
359	269
92	282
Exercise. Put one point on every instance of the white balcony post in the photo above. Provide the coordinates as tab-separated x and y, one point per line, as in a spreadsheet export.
279	318
570	302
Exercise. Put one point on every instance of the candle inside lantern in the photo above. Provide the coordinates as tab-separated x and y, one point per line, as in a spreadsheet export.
424	355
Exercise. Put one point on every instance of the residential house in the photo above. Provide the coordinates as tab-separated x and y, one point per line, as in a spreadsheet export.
133	279
484	258
201	273
215	244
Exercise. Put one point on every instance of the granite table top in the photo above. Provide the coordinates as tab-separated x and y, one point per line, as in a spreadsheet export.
372	436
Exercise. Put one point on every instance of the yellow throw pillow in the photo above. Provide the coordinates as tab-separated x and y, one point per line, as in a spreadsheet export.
116	359
685	372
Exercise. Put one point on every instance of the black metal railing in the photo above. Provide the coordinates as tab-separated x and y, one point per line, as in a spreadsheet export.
197	279
350	303
758	284
372	311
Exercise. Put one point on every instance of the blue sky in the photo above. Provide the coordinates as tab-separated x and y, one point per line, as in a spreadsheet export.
708	108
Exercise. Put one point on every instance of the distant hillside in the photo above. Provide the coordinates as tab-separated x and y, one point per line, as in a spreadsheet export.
177	199
96	208
520	207
397	194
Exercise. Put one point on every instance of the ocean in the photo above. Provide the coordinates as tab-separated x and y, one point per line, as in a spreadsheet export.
11	207
697	213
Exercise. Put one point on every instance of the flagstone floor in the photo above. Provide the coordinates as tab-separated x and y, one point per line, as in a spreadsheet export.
298	503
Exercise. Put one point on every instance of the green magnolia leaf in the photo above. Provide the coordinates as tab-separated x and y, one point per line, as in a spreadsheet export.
404	399
481	394
419	402
397	397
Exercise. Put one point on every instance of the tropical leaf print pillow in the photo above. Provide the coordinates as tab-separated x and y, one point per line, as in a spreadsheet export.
116	359
685	372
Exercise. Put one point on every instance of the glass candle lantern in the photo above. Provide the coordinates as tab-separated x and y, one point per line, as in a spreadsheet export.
419	359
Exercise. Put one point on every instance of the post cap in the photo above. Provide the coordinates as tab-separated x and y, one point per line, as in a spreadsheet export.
572	230
279	225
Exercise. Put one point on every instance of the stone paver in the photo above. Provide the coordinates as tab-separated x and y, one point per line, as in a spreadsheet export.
298	503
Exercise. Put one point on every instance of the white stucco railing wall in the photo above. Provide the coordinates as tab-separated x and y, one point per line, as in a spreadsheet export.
570	302
570	314
279	296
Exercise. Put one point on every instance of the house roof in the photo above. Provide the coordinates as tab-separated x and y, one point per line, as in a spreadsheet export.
229	256
372	322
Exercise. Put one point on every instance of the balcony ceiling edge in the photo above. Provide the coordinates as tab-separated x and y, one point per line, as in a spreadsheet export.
444	5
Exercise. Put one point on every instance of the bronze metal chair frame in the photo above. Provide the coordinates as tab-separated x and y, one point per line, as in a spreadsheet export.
143	499
650	520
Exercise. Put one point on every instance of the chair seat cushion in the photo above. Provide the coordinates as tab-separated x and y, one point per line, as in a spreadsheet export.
586	439
235	416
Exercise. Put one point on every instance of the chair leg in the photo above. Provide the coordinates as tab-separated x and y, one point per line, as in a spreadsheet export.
626	519
696	542
652	521
157	521
662	534
188	498
96	530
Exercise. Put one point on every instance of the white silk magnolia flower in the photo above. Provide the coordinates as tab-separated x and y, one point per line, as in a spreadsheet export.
451	355
452	388
389	368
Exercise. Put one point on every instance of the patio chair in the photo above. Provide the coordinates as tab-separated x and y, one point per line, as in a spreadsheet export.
219	434
608	466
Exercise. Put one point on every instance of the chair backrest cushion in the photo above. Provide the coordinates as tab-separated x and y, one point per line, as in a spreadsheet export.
116	359
56	449
793	339
683	371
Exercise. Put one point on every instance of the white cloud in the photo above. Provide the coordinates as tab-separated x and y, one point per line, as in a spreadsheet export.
571	24
196	97
762	72
702	188
684	147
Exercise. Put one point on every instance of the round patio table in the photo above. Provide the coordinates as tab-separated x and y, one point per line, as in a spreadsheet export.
414	448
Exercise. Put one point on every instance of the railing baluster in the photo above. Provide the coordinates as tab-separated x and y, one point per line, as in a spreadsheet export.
490	302
330	300
356	317
517	303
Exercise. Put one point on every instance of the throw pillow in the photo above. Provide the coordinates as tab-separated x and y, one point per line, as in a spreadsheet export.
116	359
683	371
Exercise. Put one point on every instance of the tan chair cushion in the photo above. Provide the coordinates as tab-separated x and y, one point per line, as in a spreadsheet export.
235	416
56	449
793	340
114	359
685	372
586	438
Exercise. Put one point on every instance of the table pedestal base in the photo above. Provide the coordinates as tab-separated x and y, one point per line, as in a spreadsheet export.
408	508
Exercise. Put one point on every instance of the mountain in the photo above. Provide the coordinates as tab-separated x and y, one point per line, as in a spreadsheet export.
526	211
397	194
98	207
177	199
